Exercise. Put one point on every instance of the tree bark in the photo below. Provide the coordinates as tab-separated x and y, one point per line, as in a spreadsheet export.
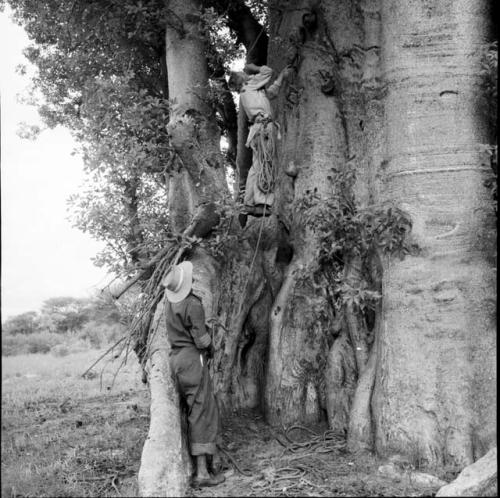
135	239
436	375
193	132
313	141
165	464
248	30
360	434
340	379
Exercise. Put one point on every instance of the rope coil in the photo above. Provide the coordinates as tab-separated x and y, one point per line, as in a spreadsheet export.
263	143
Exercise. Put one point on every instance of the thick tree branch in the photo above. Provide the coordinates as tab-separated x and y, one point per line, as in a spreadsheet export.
134	238
248	30
226	106
355	328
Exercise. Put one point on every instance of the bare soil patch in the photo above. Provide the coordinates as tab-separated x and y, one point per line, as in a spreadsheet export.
298	461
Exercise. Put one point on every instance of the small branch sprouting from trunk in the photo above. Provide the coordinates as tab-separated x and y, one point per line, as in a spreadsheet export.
357	332
360	434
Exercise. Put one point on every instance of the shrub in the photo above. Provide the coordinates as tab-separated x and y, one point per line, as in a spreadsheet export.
10	345
38	342
59	350
37	345
92	335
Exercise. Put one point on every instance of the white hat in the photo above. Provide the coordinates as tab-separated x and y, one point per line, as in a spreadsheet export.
178	282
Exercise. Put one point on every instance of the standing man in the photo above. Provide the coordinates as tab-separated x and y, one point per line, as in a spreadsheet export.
263	132
191	347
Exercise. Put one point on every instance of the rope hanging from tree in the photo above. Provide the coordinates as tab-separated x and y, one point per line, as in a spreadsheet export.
263	144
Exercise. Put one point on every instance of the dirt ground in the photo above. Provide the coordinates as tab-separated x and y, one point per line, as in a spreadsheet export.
298	461
64	435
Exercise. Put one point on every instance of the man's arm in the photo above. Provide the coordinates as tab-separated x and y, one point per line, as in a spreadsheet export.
195	317
272	90
251	68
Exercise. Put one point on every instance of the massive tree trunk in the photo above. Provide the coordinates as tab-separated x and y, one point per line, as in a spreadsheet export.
436	378
331	118
313	141
414	136
388	90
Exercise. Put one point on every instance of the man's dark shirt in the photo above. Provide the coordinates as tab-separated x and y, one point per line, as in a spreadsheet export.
186	324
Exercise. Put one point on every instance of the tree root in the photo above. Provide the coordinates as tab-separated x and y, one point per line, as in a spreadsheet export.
360	434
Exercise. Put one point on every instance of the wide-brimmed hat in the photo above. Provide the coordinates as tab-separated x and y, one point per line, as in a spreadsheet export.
178	281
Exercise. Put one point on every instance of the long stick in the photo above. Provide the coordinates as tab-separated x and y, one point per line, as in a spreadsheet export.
188	232
103	355
145	267
233	461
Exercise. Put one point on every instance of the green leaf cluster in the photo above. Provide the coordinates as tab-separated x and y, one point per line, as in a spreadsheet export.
101	72
347	233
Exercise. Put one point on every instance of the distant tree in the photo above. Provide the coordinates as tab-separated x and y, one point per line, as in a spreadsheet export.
25	323
103	308
64	314
69	314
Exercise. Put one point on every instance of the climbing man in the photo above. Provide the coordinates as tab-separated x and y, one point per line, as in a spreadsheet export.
263	132
191	347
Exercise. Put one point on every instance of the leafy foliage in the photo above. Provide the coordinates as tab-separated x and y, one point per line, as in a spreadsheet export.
101	72
126	151
348	233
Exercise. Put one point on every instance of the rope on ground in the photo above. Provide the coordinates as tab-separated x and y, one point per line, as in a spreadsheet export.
233	461
286	479
289	473
320	443
301	427
305	463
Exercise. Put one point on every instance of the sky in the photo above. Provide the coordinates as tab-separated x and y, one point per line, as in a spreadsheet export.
43	256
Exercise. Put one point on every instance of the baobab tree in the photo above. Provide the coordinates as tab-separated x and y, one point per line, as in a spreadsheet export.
367	297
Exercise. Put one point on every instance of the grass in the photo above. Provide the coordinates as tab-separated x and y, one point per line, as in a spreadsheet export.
63	435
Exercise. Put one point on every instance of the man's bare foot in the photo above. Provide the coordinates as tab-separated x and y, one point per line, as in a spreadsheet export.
202	481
